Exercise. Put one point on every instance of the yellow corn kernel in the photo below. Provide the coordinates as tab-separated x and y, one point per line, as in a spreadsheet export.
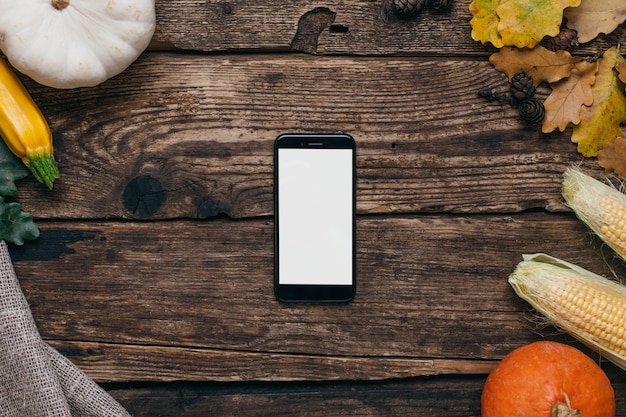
589	307
601	207
24	128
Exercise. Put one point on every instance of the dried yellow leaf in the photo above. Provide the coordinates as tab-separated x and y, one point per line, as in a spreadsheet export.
621	69
521	23
600	122
524	23
485	22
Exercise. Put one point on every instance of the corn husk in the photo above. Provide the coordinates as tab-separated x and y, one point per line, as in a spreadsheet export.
594	203
588	306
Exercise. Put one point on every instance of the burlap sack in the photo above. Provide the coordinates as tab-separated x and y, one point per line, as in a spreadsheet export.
35	379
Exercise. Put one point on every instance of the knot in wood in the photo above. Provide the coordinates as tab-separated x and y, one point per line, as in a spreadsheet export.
143	196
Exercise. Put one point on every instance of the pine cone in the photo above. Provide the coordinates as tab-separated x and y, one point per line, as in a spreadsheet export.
491	95
440	4
532	110
407	7
522	86
566	40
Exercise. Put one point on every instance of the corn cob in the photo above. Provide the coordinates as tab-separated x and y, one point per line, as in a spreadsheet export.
589	307
601	207
24	129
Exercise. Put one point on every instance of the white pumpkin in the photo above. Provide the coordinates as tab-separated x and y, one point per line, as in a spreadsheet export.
74	43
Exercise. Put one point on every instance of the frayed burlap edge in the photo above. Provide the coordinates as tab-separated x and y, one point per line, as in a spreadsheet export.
35	379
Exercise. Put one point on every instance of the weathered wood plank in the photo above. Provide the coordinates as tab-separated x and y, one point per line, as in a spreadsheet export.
208	285
105	362
191	136
429	397
349	27
440	397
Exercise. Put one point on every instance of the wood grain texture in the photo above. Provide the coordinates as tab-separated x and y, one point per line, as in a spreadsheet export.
154	269
208	285
334	27
190	136
107	363
433	396
425	397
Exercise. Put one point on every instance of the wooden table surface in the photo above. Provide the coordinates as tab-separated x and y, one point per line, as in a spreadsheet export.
153	272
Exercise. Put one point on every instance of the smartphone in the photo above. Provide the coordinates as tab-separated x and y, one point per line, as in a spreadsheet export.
315	218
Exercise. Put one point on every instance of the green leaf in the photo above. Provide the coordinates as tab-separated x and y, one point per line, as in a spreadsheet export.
11	170
16	225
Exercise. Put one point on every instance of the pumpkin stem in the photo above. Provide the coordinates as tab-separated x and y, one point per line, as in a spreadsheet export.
560	409
60	4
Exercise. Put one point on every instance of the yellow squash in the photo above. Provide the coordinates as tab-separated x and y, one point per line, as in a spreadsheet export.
24	128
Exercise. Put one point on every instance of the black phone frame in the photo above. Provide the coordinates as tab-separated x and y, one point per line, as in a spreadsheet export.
314	293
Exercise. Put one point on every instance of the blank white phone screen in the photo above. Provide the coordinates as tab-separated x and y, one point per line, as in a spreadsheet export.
315	207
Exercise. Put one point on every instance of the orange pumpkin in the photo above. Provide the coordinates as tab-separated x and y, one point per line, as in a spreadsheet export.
547	379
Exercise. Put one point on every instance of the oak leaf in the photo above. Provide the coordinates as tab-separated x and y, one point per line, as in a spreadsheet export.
621	68
568	95
612	157
593	17
521	23
524	23
485	22
600	122
540	63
